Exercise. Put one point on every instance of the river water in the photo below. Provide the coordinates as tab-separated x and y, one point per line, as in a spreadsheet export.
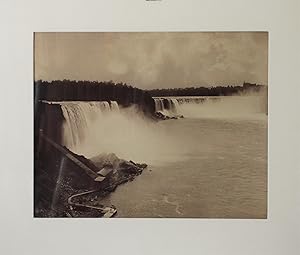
219	170
210	164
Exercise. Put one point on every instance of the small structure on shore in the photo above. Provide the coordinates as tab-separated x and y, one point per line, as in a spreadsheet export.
106	171
63	178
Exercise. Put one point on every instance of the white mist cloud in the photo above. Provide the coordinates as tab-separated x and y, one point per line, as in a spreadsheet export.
130	135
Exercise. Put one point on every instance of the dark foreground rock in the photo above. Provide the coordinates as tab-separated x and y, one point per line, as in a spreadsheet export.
117	171
59	175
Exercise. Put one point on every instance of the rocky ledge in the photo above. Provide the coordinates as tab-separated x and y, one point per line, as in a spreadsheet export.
161	116
71	185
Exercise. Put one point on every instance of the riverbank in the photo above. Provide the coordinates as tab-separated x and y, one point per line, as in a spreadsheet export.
70	185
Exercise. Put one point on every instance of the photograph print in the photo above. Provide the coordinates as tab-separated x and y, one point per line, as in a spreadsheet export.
151	124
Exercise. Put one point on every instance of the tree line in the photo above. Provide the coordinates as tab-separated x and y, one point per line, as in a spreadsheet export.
208	91
70	90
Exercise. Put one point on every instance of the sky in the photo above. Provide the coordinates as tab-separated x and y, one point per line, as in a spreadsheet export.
154	60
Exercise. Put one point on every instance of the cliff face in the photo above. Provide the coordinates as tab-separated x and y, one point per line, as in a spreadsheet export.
49	119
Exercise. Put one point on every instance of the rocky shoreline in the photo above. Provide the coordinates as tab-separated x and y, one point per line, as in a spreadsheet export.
64	188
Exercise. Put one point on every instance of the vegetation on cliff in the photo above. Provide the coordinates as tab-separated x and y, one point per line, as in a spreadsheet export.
67	90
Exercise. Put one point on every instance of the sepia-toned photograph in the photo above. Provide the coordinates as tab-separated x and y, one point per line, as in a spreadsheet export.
151	125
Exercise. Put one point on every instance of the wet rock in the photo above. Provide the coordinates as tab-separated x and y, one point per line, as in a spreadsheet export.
119	166
122	170
161	116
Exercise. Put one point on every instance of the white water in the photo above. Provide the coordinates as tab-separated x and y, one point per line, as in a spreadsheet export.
114	106
91	128
241	107
212	163
79	117
221	172
167	106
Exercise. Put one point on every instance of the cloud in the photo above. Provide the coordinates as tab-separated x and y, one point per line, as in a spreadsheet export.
149	60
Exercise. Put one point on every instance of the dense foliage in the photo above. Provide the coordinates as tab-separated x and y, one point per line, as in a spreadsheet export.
207	91
67	90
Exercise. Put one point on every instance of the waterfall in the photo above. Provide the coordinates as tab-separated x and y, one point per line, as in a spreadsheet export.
93	128
211	106
167	106
159	105
172	107
103	105
175	105
114	106
81	115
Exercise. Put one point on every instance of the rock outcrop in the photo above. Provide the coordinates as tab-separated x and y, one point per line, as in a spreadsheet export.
61	174
161	116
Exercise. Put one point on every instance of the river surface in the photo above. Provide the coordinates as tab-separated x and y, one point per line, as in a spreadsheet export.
219	170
